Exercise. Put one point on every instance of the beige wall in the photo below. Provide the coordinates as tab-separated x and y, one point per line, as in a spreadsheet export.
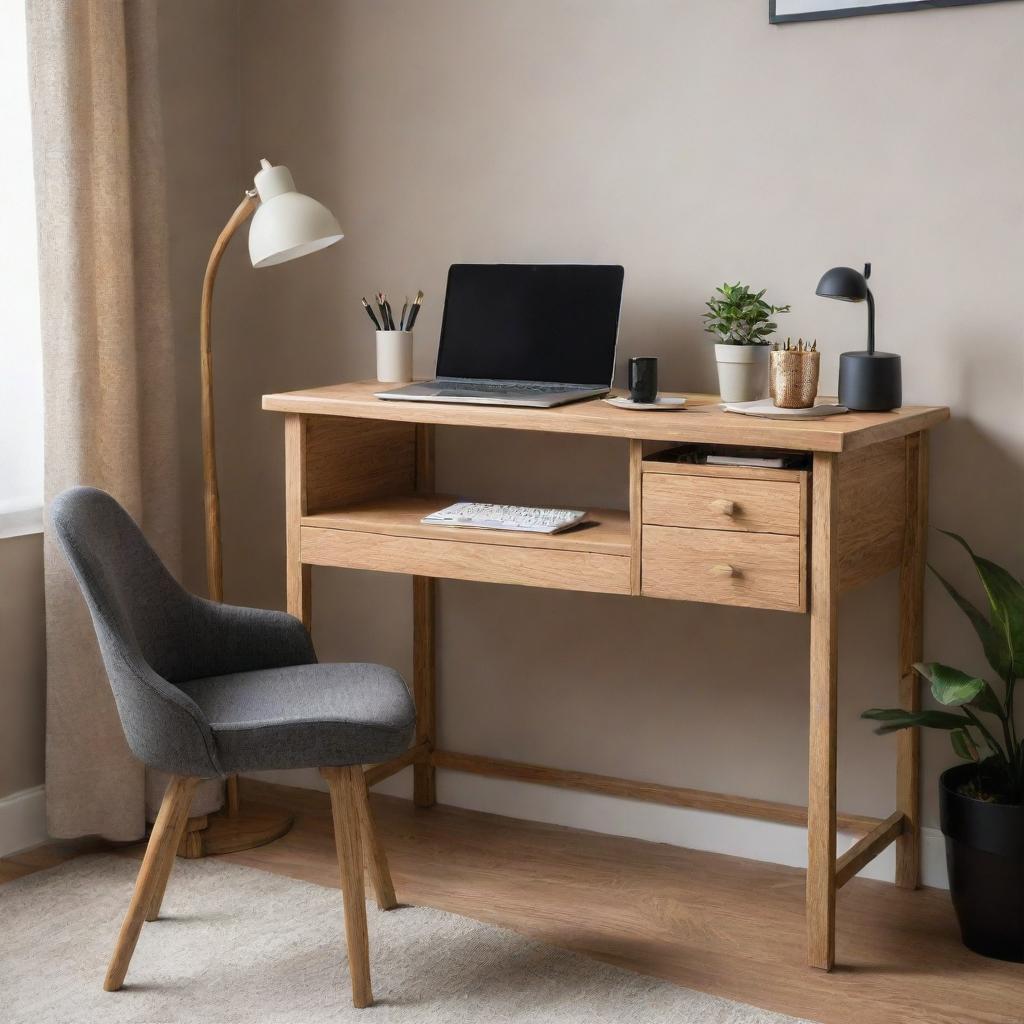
23	657
691	142
201	110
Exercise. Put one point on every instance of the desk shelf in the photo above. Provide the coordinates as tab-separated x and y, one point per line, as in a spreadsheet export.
386	535
606	531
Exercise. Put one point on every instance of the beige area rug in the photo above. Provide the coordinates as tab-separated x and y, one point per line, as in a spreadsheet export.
241	946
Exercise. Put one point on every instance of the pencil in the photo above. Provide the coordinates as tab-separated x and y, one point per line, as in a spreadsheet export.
369	313
414	311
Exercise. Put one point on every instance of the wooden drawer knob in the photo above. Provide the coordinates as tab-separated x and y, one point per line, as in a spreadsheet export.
722	570
724	505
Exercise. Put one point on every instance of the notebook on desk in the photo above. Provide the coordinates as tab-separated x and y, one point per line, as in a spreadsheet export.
534	335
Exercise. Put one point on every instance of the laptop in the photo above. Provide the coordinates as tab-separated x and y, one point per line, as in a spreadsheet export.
537	335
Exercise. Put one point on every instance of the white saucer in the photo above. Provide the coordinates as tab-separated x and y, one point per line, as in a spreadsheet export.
664	403
766	407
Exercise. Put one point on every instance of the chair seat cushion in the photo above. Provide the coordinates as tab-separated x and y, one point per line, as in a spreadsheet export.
306	716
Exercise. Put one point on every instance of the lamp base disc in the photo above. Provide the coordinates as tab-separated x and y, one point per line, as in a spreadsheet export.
254	825
870	381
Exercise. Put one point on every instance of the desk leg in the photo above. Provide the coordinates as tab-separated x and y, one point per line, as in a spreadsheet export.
821	796
424	591
908	750
424	657
296	574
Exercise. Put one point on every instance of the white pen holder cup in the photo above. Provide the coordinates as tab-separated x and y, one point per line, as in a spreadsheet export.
394	357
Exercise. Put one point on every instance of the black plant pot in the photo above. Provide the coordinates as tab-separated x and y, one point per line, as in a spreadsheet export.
985	858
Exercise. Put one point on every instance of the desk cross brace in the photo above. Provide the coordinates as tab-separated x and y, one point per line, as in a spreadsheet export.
877	833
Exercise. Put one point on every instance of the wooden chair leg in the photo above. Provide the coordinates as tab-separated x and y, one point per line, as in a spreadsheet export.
346	785
156	867
376	858
167	865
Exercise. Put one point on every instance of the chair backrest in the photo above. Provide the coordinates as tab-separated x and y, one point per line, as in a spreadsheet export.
143	621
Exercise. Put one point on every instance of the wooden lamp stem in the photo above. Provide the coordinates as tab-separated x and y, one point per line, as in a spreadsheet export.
211	493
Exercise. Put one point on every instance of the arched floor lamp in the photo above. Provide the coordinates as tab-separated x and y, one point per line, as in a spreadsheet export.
285	225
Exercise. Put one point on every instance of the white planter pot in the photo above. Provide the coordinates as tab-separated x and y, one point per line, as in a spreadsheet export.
742	372
394	357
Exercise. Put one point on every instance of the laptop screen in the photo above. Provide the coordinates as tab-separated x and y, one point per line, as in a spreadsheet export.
555	323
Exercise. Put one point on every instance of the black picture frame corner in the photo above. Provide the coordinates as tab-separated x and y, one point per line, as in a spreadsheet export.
828	12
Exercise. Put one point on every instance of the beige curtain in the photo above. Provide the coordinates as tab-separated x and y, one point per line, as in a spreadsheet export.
107	362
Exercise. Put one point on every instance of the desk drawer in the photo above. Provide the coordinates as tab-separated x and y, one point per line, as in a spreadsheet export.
752	570
721	503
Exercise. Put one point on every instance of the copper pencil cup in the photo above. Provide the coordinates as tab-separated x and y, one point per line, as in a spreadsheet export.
793	380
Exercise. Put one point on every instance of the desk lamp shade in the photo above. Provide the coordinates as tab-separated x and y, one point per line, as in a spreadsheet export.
869	381
287	224
843	283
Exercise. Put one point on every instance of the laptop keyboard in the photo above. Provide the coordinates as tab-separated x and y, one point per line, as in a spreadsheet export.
514	388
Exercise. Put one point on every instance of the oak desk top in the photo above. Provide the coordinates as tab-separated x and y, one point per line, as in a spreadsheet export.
702	421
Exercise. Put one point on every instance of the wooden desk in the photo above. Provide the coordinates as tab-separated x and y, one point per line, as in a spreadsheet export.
359	475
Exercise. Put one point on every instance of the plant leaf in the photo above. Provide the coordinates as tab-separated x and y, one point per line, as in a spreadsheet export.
996	653
963	745
1006	601
954	688
988	701
894	719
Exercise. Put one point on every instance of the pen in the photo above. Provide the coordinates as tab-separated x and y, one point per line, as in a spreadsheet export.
369	313
390	316
401	319
383	314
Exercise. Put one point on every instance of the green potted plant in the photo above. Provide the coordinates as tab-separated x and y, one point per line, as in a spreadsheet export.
742	322
981	801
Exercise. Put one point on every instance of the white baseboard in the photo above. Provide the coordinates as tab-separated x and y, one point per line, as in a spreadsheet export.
22	820
698	830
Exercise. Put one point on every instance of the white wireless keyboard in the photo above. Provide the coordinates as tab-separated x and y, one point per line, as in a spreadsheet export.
505	517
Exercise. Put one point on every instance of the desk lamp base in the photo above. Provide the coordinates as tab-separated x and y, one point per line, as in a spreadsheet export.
870	381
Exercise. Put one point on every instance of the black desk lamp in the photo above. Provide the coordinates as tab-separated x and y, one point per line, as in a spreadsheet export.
868	381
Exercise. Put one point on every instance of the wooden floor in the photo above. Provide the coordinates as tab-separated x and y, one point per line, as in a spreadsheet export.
723	925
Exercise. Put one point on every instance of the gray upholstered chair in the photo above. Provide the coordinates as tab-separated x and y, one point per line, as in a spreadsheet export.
206	689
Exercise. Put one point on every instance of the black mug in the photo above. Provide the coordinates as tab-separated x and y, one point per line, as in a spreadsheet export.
643	379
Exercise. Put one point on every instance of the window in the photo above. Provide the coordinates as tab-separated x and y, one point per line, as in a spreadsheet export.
21	380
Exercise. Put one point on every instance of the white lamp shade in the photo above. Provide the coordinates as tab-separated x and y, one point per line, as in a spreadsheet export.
287	224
